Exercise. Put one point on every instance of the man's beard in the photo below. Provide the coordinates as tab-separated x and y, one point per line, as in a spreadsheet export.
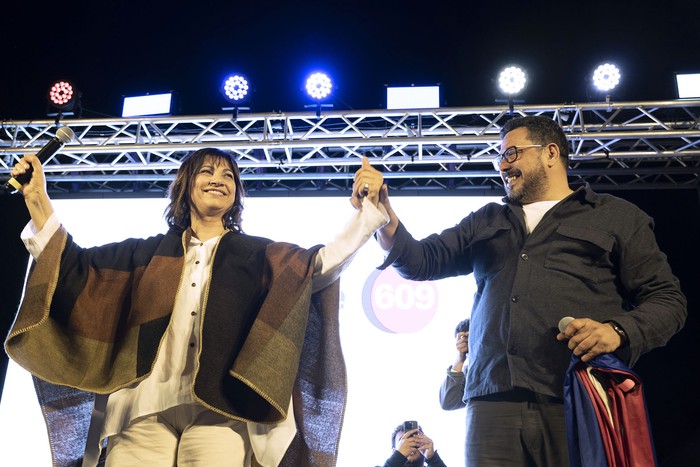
532	189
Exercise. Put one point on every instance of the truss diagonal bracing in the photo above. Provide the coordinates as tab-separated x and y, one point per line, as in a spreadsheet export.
613	145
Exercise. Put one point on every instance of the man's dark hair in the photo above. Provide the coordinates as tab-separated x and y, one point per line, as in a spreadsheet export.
463	326
541	130
177	213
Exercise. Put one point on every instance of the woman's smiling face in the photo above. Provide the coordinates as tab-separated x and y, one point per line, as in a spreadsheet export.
214	189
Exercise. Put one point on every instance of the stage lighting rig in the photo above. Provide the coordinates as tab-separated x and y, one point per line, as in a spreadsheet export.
319	88
65	98
511	82
605	78
235	89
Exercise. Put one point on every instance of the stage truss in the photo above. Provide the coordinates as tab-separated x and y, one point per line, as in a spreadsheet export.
629	145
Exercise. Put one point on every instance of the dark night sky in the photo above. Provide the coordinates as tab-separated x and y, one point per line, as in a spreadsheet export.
114	48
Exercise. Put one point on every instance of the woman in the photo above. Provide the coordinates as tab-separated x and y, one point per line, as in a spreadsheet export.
203	344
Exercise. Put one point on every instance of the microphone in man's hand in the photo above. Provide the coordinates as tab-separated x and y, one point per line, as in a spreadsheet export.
63	135
564	322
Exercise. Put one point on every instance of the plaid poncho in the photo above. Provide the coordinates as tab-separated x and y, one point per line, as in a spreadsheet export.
92	321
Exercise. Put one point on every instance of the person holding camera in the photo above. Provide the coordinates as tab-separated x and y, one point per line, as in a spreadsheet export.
452	388
412	448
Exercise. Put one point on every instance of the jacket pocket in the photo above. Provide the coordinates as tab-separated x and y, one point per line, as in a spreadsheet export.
581	252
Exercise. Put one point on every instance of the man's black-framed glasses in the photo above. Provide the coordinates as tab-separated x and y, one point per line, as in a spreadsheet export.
512	154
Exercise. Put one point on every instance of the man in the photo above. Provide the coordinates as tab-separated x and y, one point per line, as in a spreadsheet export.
550	251
452	388
411	448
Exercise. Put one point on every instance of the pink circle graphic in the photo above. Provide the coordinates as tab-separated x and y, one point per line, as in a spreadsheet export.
397	305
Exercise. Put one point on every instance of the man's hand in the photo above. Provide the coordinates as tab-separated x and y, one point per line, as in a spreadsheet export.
413	441
426	445
589	338
462	346
408	444
367	183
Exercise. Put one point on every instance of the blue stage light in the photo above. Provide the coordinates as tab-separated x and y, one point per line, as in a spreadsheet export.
318	86
235	88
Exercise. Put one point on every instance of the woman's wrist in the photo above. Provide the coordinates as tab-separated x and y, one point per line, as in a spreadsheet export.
40	208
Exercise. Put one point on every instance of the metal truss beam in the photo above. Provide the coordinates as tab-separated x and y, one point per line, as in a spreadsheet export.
627	145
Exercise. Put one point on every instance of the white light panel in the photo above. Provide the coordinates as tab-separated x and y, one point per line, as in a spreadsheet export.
153	104
413	97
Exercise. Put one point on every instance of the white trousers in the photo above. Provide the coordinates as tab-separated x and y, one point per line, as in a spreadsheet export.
186	435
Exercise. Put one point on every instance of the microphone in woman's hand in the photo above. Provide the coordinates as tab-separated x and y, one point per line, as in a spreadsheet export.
63	135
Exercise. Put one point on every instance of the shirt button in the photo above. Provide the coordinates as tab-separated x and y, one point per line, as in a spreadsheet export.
194	313
194	285
515	299
513	351
196	262
191	344
524	256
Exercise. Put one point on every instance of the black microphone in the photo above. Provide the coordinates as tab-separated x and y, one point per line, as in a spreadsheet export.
63	135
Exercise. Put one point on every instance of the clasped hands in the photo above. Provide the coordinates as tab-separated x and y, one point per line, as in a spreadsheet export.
369	183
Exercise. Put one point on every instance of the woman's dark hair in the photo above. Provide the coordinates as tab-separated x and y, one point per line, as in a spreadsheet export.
177	214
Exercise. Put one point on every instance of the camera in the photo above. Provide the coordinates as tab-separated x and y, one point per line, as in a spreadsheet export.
409	425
